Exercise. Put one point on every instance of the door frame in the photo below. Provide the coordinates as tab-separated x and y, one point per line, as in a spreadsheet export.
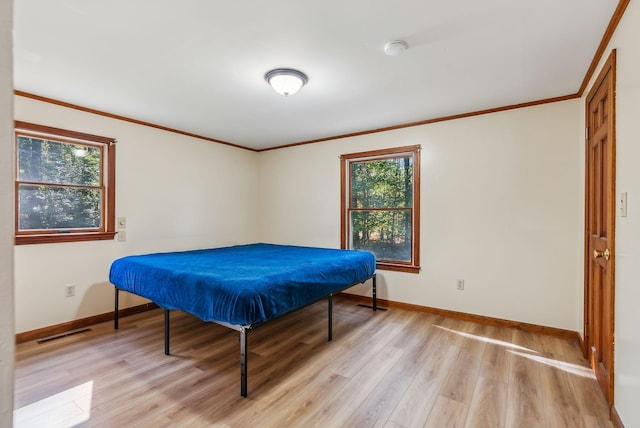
609	68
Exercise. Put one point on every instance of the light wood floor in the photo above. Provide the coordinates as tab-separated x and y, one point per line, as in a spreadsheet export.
385	369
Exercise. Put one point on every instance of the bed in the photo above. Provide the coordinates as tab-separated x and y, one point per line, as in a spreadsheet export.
244	286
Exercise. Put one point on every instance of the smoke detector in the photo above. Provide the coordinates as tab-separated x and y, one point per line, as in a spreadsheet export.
396	47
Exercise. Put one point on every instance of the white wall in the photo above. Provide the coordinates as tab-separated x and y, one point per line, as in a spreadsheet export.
7	339
500	208
176	192
627	339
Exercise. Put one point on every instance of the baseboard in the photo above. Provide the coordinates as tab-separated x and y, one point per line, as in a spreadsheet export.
615	418
53	330
581	345
480	319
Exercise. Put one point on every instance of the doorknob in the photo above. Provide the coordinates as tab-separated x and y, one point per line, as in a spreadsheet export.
606	254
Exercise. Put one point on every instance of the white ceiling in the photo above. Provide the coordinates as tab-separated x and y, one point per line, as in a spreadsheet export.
198	65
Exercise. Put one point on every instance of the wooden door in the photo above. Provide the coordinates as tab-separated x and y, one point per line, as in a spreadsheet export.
600	227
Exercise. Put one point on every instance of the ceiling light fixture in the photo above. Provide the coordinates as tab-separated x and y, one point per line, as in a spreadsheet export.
286	81
396	47
80	151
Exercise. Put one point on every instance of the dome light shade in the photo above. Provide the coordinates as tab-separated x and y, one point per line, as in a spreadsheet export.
286	81
80	151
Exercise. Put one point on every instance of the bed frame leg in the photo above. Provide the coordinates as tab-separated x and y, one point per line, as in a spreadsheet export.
243	361
116	311
374	297
330	317
166	331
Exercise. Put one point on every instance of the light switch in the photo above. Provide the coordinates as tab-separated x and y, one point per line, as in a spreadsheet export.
623	204
122	222
122	236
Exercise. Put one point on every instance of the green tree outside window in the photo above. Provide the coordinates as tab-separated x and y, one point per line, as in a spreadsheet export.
59	185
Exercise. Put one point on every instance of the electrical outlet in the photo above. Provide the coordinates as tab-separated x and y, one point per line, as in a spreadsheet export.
460	284
69	290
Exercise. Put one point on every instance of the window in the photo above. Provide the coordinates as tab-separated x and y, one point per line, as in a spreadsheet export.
65	185
381	206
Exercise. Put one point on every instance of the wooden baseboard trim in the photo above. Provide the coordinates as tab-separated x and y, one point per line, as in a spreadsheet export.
581	345
53	330
480	319
66	327
615	418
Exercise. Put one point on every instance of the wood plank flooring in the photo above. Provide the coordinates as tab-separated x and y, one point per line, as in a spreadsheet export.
385	369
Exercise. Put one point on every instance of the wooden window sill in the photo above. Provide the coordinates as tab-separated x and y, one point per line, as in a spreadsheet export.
49	238
397	267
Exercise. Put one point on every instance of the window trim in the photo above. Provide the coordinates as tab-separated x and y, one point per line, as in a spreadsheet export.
107	230
345	191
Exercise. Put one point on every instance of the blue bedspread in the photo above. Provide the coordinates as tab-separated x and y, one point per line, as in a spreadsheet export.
242	285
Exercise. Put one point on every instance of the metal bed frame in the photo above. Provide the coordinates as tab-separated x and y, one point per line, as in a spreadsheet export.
244	329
